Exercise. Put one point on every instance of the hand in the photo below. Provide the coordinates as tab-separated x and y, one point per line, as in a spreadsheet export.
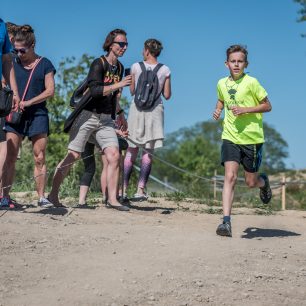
126	81
121	122
217	113
237	110
123	134
24	104
15	104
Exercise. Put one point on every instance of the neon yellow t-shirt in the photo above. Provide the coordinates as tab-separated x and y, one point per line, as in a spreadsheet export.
245	92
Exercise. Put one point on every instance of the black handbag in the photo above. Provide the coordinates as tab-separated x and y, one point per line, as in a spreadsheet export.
14	117
6	101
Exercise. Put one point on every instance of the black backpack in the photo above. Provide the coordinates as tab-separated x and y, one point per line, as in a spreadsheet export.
147	91
82	91
6	99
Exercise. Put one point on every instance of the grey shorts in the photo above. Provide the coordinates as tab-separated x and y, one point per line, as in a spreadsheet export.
93	126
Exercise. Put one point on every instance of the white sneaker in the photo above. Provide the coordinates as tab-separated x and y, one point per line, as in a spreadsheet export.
44	203
140	197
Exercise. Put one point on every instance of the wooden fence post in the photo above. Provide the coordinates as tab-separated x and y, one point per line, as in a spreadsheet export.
284	192
165	182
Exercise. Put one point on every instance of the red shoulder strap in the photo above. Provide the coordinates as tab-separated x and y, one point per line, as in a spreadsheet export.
30	77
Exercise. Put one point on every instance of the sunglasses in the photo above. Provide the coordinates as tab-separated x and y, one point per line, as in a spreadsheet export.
121	44
21	50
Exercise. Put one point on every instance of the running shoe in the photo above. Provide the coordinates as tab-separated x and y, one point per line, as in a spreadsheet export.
224	229
44	203
265	191
139	197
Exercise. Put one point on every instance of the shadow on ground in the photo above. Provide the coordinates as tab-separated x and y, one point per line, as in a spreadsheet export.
164	210
255	232
59	211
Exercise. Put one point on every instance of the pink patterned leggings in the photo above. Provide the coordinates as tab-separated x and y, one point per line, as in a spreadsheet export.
145	169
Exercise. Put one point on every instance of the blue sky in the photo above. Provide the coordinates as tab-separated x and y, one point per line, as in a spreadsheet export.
195	35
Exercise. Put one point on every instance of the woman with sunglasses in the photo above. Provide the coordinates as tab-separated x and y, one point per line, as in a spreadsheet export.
97	117
11	32
34	122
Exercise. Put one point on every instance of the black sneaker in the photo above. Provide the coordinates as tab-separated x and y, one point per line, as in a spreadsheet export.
265	192
224	229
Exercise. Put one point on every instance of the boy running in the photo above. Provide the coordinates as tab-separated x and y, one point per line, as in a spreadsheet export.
244	101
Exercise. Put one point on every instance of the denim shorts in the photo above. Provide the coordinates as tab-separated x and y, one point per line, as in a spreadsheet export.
30	125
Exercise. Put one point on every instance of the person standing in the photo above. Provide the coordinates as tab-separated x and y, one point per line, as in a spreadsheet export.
146	128
8	73
244	100
96	117
35	80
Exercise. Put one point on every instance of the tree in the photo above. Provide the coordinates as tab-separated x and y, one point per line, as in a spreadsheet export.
275	150
302	12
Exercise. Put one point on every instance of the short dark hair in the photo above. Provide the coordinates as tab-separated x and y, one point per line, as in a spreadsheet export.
25	34
110	38
154	46
237	48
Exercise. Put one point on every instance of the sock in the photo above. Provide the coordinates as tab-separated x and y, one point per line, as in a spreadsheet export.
226	218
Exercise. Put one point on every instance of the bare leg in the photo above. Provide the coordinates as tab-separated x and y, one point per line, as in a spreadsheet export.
61	172
83	194
39	143
253	180
2	161
230	178
13	143
112	156
104	177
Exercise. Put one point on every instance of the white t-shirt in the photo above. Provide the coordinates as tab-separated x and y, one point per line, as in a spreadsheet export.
162	74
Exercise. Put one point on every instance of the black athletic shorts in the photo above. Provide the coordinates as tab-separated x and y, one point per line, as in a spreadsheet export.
248	155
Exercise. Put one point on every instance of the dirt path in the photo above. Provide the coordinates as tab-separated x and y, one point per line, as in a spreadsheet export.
150	256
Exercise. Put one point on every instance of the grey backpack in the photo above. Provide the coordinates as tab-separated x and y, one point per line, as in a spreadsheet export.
147	91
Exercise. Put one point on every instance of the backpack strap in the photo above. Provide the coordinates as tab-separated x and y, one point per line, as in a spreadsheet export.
30	78
157	67
103	60
120	68
142	66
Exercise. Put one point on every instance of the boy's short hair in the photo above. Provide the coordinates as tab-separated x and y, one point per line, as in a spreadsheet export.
237	48
110	38
154	46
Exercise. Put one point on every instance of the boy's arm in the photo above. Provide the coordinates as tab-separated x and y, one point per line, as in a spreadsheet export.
263	107
218	110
